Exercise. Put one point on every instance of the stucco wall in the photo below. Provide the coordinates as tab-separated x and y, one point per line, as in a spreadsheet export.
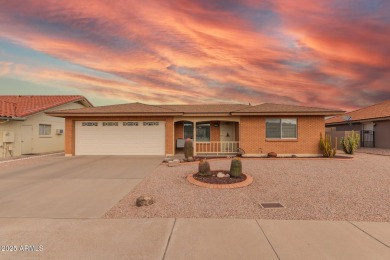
346	127
40	144
254	142
382	134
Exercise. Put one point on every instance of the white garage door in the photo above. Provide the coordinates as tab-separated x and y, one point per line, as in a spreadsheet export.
120	138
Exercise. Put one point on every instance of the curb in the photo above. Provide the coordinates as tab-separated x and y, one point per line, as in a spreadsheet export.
29	157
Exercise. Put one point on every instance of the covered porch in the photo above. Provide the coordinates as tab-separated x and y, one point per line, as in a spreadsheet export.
210	137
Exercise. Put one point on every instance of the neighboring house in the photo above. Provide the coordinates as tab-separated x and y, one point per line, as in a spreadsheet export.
139	129
26	129
372	122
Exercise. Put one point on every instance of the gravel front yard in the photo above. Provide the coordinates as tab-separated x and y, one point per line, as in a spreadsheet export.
310	189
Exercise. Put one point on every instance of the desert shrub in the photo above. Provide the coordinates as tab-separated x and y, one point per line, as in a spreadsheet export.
350	143
326	146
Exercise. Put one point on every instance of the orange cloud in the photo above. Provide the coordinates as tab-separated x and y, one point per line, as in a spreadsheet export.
297	52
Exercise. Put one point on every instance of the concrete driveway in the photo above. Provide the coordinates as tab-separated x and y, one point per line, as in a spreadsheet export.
69	187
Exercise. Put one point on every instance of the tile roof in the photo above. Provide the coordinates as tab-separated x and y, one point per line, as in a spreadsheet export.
270	108
380	110
199	109
7	109
136	108
21	106
206	108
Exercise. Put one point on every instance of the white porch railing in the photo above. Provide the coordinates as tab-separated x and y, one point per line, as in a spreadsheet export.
221	147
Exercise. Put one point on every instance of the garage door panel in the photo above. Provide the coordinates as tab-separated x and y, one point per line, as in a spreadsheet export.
120	140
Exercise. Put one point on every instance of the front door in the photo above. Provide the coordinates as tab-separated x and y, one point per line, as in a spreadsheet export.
27	139
227	137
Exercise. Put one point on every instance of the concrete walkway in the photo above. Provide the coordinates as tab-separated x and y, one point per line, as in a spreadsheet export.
193	239
378	151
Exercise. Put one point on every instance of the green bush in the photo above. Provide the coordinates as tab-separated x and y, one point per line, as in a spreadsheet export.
350	143
326	146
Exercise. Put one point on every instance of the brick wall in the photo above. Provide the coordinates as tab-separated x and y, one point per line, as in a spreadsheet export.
70	130
253	141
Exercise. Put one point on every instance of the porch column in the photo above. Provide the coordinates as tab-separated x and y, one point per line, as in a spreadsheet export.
194	137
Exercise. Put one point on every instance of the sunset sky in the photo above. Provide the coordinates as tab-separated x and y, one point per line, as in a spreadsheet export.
327	53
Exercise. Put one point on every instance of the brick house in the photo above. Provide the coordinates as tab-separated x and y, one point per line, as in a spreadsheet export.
140	129
26	129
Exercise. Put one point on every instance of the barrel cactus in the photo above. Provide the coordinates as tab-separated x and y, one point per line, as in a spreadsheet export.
236	168
204	168
188	148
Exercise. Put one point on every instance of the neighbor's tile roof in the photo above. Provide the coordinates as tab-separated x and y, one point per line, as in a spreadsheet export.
270	108
21	106
7	109
379	110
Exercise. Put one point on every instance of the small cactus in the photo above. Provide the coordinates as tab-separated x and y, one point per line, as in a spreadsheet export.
204	168
326	146
350	143
235	168
188	148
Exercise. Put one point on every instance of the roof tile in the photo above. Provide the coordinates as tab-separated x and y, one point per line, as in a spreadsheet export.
379	110
21	106
280	108
200	109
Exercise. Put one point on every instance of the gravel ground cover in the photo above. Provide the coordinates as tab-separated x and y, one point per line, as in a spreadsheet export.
310	189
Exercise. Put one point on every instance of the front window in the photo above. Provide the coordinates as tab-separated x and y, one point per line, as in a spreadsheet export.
281	128
188	130
44	130
203	132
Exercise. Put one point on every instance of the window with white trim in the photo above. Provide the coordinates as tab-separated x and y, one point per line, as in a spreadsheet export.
203	132
188	129
281	128
44	130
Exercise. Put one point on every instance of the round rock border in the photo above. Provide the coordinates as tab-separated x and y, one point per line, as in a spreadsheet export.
248	181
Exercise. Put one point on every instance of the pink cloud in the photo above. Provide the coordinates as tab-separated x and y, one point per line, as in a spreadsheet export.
163	50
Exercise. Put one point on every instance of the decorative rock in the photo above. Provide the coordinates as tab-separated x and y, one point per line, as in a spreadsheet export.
272	155
144	201
182	160
190	159
173	163
220	175
227	175
167	159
